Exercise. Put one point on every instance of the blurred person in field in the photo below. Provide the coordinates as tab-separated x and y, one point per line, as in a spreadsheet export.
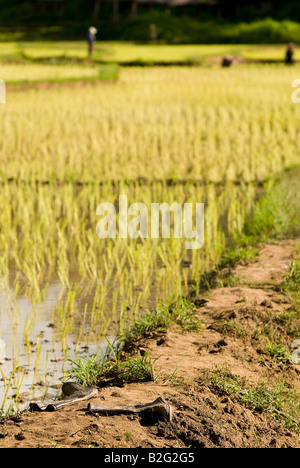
91	39
229	60
153	32
289	57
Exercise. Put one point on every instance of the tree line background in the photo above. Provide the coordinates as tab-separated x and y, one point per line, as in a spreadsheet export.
206	21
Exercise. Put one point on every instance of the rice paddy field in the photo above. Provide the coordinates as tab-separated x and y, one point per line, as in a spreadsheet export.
124	52
157	134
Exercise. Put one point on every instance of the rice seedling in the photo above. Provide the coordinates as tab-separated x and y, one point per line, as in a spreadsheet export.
29	323
6	387
13	383
187	134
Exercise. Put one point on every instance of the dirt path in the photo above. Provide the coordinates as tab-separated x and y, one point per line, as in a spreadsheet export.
203	417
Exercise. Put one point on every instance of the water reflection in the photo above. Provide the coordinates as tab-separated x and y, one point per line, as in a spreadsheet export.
37	353
31	356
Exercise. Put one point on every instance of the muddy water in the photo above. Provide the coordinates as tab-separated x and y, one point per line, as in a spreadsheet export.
35	362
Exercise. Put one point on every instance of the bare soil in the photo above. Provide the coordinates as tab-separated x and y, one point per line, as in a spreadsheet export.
203	418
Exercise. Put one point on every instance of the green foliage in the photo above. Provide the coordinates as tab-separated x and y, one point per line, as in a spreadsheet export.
233	328
96	370
280	401
279	352
139	369
276	215
173	28
292	279
238	254
86	370
182	313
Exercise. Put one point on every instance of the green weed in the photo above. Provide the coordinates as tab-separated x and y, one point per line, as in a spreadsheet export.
292	280
233	328
182	314
275	215
111	367
280	401
238	254
279	352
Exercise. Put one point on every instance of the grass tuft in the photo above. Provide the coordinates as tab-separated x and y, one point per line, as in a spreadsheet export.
111	367
279	352
281	401
182	314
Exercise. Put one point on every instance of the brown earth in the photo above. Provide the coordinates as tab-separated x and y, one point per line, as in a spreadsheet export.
202	416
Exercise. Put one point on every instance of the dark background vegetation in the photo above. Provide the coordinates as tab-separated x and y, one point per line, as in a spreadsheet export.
195	21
